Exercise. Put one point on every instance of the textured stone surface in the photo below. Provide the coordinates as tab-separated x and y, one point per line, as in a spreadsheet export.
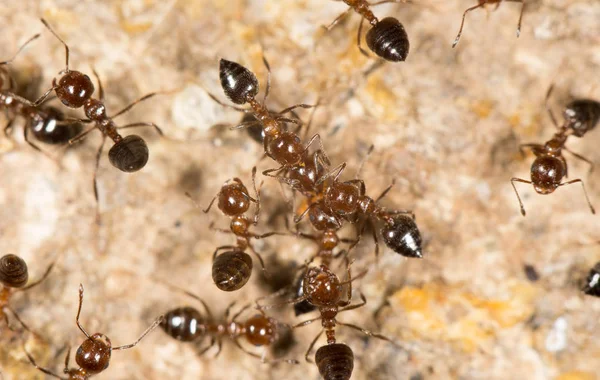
446	125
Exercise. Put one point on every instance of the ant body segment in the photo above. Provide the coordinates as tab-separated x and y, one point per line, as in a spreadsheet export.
550	166
93	355
231	270
323	289
13	277
387	37
48	125
592	283
188	324
483	3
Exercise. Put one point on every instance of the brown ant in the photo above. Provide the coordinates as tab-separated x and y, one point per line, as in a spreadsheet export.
483	3
387	37
550	167
324	290
49	125
188	324
231	270
93	355
13	277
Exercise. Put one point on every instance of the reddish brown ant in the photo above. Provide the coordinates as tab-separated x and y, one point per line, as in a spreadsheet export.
323	289
483	3
387	37
550	167
231	270
48	125
93	355
13	277
188	324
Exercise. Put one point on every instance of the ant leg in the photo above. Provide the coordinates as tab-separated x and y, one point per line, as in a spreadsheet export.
187	293
228	309
80	136
211	343
32	144
312	344
369	333
95	179
79	313
306	323
358	35
246	124
298	218
222	248
216	100
362	162
535	148
219	347
237	315
145	97
268	88
9	127
361	185
376	240
355	306
260	259
584	192
578	156
222	230
463	22
237	343
389	1
42	98
512	182
300	105
154	324
134	125
44	276
337	170
520	14
339	18
272	306
547	103
100	87
67	358
290	182
257	192
44	370
23	324
206	210
268	234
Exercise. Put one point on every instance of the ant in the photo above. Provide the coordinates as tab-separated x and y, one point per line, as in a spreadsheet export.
324	290
549	167
75	90
188	324
93	355
387	37
48	125
483	3
592	283
231	270
13	277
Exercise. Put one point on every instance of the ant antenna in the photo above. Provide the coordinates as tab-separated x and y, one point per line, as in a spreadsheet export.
79	312
20	49
66	70
148	330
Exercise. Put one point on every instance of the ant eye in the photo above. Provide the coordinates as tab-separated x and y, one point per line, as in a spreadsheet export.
129	154
13	271
389	40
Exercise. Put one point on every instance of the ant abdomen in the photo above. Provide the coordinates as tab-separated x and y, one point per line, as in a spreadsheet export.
93	356
402	235
231	270
130	154
49	128
184	323
74	89
239	83
582	115
335	361
13	271
546	173
592	283
388	39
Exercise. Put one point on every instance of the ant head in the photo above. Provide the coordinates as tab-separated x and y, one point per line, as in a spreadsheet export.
239	83
231	270
335	361
130	154
93	356
342	198
402	235
74	89
592	283
582	115
321	219
185	324
234	199
13	271
389	40
261	330
51	129
322	286
546	174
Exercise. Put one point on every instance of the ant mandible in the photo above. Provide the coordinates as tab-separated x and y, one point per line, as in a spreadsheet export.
387	37
48	125
188	324
93	355
550	167
482	3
